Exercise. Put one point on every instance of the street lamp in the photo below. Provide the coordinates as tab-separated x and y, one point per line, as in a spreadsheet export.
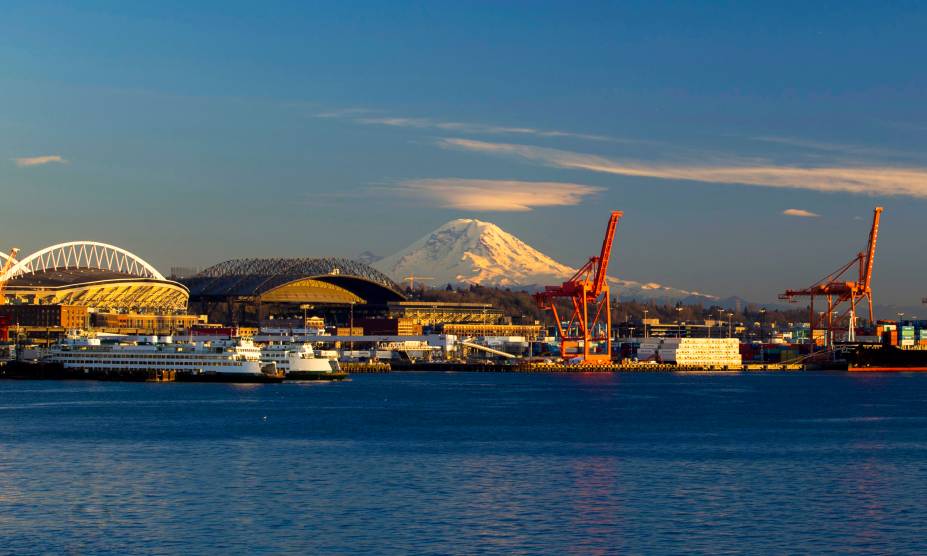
305	307
352	328
678	325
645	322
821	321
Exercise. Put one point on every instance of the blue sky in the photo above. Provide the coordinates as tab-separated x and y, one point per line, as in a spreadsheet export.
194	134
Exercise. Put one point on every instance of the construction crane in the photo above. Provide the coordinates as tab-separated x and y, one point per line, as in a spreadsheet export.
837	290
411	278
10	261
590	320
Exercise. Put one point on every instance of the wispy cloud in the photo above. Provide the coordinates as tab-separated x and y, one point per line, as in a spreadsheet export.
343	113
868	180
801	213
357	115
838	148
492	195
27	161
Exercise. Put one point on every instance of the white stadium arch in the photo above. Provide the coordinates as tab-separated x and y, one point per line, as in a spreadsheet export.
84	254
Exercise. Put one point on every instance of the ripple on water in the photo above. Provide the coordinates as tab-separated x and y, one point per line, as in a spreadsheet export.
457	463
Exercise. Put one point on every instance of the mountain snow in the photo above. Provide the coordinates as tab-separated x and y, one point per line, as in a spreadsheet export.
470	251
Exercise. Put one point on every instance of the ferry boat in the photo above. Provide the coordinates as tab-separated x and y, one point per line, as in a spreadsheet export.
298	361
202	361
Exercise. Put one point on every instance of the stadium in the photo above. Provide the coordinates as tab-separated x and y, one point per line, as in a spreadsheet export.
98	276
250	291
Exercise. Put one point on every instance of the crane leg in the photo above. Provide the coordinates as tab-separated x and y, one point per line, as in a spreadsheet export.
811	320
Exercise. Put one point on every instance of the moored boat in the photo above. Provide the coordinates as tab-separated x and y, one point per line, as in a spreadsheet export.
298	361
880	359
237	360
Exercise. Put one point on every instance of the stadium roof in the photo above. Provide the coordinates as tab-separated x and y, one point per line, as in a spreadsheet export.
295	280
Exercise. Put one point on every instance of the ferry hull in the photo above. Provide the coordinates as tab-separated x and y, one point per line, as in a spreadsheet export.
239	378
17	370
316	375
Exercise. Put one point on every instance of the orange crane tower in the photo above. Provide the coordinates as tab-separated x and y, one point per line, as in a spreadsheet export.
6	267
837	291
590	320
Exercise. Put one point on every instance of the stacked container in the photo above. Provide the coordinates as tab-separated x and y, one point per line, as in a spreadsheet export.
922	337
906	335
708	352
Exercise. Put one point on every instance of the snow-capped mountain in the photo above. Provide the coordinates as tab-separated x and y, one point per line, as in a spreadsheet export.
469	251
367	257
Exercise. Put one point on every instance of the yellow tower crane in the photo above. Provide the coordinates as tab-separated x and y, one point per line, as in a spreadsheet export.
6	267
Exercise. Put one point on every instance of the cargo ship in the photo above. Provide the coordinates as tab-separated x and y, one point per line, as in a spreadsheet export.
898	347
886	358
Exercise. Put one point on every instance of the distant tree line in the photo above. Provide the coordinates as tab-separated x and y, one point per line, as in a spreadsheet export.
521	307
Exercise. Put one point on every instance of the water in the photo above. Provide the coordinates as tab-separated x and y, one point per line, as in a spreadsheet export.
464	463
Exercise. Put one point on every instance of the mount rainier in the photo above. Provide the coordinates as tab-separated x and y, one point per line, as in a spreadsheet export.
469	251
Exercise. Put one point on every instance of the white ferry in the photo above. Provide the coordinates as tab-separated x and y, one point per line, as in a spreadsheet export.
299	360
233	360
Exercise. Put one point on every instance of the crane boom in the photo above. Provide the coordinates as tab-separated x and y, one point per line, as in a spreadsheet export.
870	253
602	266
6	267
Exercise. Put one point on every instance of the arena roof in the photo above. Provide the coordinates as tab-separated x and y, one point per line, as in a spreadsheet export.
304	279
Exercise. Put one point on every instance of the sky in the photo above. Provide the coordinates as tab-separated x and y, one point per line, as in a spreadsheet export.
746	144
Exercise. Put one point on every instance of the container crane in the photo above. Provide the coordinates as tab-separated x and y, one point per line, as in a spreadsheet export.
10	261
838	291
587	291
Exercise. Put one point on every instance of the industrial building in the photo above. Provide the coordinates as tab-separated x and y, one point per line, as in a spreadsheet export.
135	323
428	313
531	332
64	317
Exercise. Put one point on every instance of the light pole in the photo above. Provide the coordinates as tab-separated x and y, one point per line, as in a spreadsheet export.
730	317
352	329
833	336
645	323
821	320
762	324
305	307
678	325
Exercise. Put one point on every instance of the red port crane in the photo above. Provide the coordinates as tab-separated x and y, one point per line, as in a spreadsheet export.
837	290
590	319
